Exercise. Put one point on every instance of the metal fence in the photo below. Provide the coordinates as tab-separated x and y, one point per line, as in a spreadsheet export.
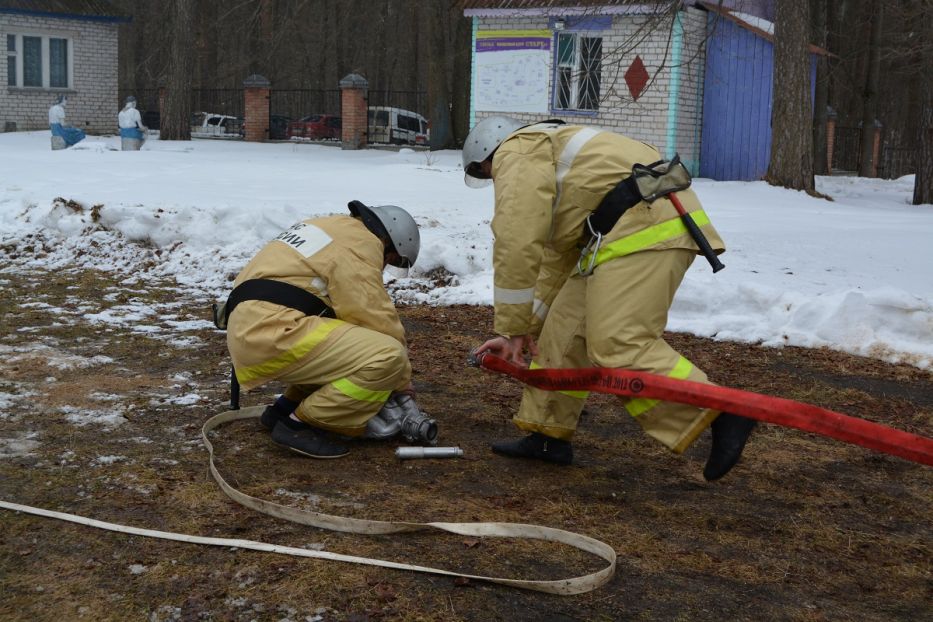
218	101
298	103
286	105
227	102
847	150
416	101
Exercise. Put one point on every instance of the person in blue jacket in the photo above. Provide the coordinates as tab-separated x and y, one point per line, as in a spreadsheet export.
71	135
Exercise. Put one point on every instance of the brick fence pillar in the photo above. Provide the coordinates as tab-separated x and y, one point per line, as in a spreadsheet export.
830	139
256	108
354	124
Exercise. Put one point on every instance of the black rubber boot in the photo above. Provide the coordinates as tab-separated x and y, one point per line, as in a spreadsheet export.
729	435
271	416
305	440
538	446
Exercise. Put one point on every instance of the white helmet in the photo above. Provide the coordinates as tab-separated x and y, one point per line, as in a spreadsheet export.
394	223
481	142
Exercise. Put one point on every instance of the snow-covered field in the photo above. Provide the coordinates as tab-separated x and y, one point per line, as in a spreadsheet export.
853	274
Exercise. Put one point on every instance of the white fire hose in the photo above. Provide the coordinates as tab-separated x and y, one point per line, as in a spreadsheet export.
573	585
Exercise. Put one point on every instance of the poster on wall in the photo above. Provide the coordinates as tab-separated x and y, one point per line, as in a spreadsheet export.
512	68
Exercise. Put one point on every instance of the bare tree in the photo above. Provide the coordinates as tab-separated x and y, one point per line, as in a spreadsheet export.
821	100
791	163
923	184
176	114
867	165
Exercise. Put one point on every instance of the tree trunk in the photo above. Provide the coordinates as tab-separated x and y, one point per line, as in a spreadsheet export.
791	163
461	70
437	26
923	183
176	117
870	94
821	100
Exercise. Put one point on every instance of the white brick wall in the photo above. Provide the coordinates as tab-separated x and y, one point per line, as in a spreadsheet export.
92	100
646	119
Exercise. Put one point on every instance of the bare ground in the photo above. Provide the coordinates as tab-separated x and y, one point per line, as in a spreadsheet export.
100	416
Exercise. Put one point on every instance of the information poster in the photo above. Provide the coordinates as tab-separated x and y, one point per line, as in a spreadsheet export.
512	68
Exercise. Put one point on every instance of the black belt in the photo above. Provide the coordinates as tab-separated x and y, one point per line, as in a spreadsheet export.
280	293
610	209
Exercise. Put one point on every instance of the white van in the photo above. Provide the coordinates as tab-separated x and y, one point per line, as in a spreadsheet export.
396	126
210	125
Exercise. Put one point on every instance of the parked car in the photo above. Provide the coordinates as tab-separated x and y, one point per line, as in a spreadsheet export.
396	126
315	127
278	127
211	125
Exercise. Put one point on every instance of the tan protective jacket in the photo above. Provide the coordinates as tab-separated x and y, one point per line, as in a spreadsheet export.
548	179
337	259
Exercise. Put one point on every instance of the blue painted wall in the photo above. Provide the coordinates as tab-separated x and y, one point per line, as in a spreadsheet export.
736	142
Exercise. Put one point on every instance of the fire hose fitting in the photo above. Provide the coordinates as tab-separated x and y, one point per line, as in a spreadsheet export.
401	415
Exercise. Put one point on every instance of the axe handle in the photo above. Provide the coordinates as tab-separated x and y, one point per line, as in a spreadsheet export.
696	234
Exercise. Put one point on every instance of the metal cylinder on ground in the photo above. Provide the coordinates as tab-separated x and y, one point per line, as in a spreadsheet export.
428	452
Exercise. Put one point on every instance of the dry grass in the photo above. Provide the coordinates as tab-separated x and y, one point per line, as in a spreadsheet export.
805	529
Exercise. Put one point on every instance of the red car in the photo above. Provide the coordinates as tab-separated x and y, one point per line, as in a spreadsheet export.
315	127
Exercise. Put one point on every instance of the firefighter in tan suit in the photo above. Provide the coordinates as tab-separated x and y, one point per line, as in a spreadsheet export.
342	360
605	306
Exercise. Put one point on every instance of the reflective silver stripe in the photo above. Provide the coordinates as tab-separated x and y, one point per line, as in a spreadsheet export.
513	296
539	309
304	238
564	162
571	149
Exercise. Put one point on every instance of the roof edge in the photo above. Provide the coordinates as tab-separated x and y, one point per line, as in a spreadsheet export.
726	13
116	19
628	9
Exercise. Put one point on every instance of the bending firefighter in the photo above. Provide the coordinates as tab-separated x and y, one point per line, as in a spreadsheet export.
587	258
310	310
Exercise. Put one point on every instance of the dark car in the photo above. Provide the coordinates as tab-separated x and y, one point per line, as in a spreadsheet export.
278	127
316	127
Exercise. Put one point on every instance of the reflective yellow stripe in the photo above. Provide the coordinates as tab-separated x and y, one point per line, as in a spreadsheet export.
277	364
640	406
580	395
359	393
661	232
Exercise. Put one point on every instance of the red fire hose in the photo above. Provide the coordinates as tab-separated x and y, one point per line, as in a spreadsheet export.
774	410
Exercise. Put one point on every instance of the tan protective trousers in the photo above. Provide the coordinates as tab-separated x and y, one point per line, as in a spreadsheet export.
615	318
345	384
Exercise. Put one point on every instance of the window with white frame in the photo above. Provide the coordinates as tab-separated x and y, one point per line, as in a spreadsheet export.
577	71
42	61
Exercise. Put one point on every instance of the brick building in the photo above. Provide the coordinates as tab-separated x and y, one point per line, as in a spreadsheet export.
55	47
693	78
607	64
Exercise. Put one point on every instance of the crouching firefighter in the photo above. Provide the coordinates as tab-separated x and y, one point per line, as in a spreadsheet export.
310	310
591	243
